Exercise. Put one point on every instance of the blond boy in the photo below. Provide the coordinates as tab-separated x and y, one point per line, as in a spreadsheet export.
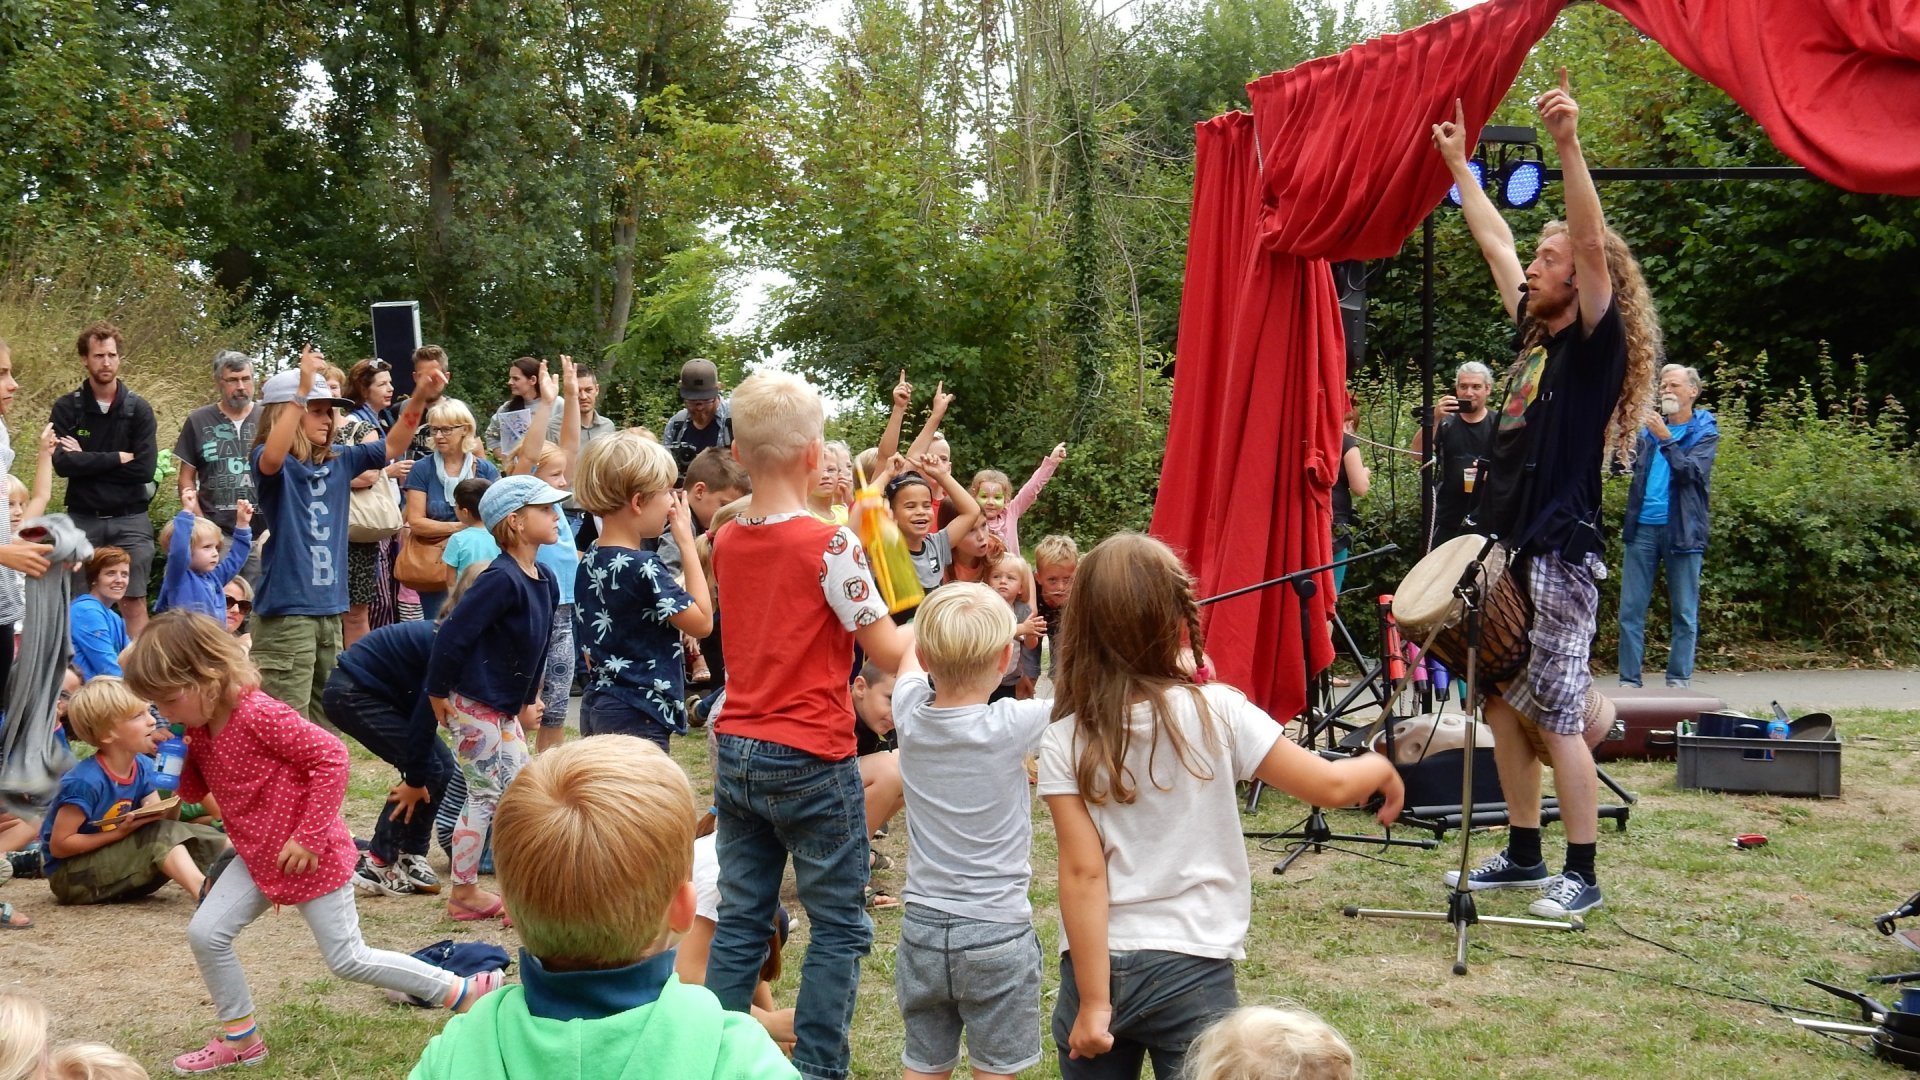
629	613
786	782
1055	559
91	855
968	958
594	848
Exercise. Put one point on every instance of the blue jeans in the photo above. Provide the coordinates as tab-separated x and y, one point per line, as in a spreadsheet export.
1644	555
388	728
603	714
775	801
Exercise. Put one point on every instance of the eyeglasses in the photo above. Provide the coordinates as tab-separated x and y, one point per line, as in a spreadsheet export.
453	429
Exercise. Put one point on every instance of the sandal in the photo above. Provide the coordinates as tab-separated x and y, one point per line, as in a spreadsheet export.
879	901
10	920
880	861
466	914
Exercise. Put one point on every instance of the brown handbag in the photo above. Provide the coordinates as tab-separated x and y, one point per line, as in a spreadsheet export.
420	566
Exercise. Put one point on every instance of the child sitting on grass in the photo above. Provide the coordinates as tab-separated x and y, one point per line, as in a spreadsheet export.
472	544
88	859
968	958
281	781
630	613
26	1052
1261	1042
786	782
196	575
594	844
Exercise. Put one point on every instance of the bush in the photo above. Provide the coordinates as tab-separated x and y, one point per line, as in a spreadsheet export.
1815	546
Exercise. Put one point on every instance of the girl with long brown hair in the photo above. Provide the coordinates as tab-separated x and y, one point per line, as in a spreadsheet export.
1138	772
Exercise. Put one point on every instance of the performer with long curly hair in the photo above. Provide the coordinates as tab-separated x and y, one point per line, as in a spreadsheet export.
1581	388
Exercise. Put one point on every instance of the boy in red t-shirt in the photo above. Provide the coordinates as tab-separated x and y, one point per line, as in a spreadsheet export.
786	781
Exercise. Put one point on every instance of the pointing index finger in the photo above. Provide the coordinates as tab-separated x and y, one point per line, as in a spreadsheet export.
1564	87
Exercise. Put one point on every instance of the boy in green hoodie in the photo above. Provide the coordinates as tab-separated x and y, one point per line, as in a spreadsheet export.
593	844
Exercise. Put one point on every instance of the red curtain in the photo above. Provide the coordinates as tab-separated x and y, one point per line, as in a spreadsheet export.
1346	173
1226	203
1835	83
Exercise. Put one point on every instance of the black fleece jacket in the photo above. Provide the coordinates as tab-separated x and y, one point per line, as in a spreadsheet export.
98	482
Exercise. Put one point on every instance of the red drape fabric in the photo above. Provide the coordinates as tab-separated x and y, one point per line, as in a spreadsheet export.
1835	83
1226	204
1346	173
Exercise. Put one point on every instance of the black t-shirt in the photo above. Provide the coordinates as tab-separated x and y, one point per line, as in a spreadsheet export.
1542	488
1459	447
1342	494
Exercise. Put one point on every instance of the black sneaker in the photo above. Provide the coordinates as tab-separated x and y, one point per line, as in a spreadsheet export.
1499	872
22	864
380	880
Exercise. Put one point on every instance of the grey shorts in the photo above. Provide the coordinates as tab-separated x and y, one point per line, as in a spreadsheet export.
952	973
131	533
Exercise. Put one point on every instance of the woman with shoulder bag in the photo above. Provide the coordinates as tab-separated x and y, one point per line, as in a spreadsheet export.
374	512
429	514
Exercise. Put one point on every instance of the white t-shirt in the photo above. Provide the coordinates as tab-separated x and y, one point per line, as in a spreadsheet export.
1177	877
706	877
969	806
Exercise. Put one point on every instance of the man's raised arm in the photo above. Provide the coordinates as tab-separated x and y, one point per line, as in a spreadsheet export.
1488	227
1586	225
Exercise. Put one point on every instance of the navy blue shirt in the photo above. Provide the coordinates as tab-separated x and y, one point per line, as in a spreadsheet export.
304	569
390	665
622	601
493	648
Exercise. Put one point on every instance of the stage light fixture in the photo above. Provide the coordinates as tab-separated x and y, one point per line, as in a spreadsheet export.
1479	170
1520	183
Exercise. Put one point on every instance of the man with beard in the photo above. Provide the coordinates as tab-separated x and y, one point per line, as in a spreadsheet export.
105	448
213	447
1462	435
1579	390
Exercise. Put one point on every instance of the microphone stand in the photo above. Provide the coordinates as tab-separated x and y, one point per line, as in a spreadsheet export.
1313	832
1461	911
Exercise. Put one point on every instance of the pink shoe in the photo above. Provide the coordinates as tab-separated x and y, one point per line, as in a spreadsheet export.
479	986
218	1054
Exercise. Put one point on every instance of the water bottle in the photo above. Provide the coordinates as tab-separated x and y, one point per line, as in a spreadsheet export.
1778	727
170	760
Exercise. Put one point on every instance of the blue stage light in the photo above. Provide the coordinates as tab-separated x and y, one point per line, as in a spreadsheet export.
1521	183
1479	179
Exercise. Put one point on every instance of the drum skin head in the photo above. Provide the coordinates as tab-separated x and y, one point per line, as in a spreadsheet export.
1425	601
1419	736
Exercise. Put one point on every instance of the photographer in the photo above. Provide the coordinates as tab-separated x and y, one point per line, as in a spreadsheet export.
1462	438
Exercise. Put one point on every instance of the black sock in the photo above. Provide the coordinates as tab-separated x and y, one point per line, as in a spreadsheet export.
1580	861
1523	846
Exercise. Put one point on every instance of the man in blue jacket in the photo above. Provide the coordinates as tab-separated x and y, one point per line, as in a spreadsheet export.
1666	522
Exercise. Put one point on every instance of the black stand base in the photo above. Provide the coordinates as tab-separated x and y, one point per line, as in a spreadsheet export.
1441	820
1314	833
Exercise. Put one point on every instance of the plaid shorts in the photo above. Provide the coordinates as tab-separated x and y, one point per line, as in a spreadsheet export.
1566	607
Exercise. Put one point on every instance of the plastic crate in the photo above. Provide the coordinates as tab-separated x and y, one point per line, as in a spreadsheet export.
1760	766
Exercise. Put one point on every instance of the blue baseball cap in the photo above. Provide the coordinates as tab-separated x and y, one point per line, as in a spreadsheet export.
506	496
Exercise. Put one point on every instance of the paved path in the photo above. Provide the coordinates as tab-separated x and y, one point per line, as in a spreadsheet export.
1812	691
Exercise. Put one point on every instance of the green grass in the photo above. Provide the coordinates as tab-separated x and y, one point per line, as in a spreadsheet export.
1688	917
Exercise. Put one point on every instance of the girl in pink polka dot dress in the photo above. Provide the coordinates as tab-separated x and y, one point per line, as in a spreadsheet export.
280	781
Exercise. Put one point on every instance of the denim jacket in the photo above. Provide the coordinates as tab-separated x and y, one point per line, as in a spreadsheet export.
1690	459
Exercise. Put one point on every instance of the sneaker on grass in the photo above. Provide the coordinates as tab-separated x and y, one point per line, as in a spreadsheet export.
1500	872
369	877
1569	895
415	869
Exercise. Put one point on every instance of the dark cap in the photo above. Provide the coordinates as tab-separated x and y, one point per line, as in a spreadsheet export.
699	381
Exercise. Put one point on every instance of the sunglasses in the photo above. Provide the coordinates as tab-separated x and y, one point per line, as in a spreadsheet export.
379	365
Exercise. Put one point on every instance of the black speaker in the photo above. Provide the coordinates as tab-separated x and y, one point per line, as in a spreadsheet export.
1350	280
396	333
